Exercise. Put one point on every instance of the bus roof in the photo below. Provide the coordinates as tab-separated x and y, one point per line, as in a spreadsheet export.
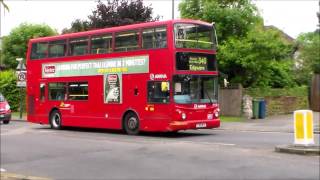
117	29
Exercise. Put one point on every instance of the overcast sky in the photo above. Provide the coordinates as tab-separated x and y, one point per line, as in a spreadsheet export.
291	16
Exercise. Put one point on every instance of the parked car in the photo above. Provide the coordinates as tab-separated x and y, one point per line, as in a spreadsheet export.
5	112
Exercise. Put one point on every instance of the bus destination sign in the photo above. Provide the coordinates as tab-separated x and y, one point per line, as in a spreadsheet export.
195	61
198	63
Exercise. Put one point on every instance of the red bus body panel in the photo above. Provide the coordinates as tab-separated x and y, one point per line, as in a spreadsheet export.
94	113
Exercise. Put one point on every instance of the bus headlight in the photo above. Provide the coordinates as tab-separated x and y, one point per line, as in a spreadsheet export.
183	116
7	107
216	113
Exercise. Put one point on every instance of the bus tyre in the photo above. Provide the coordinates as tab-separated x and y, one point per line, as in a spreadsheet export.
55	120
6	122
131	124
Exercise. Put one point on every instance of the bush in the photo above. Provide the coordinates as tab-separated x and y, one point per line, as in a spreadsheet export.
298	91
10	90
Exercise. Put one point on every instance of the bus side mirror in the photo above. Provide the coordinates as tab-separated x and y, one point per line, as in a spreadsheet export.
164	86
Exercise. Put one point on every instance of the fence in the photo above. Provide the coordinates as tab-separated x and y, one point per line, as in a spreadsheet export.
315	93
237	101
230	100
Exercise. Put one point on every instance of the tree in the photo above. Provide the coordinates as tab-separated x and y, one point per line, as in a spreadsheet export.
231	17
4	5
309	56
6	8
15	44
260	59
114	13
248	53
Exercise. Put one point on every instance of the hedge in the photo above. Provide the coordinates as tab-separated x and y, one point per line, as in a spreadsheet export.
9	89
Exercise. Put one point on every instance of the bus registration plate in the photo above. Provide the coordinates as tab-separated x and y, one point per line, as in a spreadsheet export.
201	125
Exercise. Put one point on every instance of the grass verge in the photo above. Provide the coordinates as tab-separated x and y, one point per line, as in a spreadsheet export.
231	119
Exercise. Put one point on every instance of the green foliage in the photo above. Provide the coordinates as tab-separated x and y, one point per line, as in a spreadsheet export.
231	119
298	91
113	13
232	17
15	44
248	53
260	59
309	57
9	89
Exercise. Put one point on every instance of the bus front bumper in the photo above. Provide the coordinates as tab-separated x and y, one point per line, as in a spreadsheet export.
193	124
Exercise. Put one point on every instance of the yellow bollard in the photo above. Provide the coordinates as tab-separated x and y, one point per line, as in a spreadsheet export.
303	127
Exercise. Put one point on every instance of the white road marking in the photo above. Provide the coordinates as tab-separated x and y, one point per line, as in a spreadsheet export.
16	131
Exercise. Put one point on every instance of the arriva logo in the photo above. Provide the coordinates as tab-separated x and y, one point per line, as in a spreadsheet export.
200	106
158	76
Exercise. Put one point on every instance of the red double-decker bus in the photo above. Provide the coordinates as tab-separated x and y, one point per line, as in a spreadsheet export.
155	76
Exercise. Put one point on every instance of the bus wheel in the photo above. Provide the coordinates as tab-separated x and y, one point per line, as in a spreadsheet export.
55	120
6	122
131	124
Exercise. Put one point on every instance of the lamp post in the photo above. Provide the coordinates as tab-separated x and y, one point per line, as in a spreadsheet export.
172	9
0	37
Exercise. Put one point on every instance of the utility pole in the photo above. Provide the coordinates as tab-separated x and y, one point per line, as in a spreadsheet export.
172	9
0	20
0	38
21	73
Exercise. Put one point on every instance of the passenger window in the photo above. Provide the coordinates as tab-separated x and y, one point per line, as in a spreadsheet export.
154	38
57	48
39	50
101	44
78	91
127	41
158	91
148	39
78	46
42	91
161	37
57	91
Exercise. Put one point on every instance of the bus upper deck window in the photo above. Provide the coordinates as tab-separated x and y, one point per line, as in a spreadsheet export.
101	44
154	38
127	41
78	46
57	48
39	50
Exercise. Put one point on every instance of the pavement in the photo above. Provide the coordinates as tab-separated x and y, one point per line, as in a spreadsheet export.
276	123
251	142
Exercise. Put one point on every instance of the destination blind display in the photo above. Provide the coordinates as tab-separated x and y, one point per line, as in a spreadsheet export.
195	61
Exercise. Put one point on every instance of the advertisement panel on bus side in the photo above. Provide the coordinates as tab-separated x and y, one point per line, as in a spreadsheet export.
124	65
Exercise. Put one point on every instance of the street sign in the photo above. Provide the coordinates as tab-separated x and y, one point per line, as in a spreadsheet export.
21	78
21	74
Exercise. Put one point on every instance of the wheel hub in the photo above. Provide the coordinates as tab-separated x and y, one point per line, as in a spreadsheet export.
132	123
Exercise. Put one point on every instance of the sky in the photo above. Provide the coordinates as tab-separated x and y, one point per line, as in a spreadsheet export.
291	16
